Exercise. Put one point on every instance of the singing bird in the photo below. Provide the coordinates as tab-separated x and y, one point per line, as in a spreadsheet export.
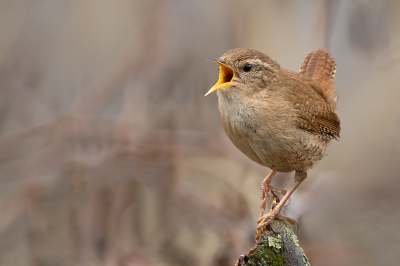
279	118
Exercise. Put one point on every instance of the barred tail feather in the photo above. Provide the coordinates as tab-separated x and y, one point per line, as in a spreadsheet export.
321	67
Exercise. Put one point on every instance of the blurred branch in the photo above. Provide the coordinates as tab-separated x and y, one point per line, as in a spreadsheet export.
277	247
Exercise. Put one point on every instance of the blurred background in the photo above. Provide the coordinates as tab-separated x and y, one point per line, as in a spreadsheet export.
110	155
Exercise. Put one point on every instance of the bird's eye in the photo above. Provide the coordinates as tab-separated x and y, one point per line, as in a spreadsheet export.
247	68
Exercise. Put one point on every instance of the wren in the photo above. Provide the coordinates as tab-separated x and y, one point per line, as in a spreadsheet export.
279	118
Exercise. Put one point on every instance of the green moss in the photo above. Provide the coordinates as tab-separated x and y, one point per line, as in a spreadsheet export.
279	247
265	256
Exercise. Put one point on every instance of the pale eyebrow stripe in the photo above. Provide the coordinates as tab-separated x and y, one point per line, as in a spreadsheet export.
265	65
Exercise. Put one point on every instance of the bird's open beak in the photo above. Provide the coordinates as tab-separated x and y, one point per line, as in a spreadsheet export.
226	75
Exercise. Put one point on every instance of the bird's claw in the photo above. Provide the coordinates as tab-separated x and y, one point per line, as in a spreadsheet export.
267	218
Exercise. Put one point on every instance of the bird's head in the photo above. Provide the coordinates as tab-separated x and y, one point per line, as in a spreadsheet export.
244	69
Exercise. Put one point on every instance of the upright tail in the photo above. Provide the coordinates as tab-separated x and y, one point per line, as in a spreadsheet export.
321	67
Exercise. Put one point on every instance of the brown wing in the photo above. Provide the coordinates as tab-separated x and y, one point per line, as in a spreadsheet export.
321	67
319	119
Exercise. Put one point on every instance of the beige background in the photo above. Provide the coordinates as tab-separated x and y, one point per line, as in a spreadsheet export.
110	155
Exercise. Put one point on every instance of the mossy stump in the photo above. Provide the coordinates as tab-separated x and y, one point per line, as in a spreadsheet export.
279	247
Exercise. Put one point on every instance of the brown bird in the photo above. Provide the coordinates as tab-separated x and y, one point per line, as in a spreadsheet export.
279	118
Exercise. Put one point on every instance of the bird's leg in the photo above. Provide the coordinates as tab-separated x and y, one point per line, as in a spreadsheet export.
292	221
265	189
266	219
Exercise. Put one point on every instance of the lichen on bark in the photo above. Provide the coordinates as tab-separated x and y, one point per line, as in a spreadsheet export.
279	247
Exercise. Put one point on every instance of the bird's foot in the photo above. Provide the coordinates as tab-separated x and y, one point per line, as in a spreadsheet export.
275	213
268	218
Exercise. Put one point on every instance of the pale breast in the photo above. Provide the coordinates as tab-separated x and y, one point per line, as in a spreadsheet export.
239	127
267	136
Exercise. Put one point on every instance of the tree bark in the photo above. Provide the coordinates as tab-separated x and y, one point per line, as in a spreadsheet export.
277	247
